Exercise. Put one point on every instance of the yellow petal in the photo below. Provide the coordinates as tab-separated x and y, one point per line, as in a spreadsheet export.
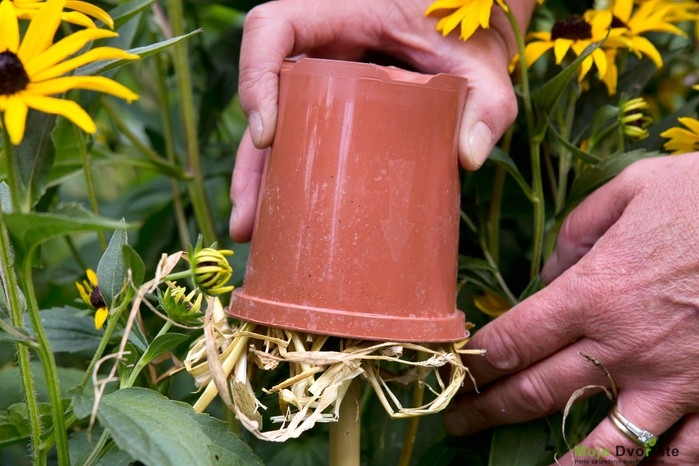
483	9
79	19
92	276
91	10
41	30
65	108
101	317
643	45
533	51
94	55
15	118
445	5
690	123
91	83
622	9
560	48
600	60
9	38
83	292
65	48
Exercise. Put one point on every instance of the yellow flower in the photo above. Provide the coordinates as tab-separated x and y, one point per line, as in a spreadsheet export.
633	118
471	14
682	140
211	270
81	11
576	34
180	306
491	304
90	293
32	69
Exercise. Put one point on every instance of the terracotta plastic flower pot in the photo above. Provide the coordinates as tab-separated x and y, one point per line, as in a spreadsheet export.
356	233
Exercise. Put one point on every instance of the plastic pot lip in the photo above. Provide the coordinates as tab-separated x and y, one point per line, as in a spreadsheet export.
348	324
340	69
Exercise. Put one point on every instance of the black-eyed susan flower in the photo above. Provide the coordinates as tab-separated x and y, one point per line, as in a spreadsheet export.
470	14
491	304
90	293
79	12
179	305
211	270
32	68
682	140
576	34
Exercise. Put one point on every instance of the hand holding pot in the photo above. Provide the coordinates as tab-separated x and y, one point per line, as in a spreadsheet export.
347	30
623	289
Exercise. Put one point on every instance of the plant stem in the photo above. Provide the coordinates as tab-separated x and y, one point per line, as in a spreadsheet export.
142	362
89	181
535	155
48	364
565	157
14	305
195	186
345	433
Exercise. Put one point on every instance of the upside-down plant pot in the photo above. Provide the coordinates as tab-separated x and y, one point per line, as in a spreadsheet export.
356	233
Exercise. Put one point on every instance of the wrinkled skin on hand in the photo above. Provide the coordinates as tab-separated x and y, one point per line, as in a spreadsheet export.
624	288
347	30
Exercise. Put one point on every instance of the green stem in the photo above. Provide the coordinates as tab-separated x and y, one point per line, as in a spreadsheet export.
195	186
89	181
14	305
539	214
169	132
48	364
565	157
143	362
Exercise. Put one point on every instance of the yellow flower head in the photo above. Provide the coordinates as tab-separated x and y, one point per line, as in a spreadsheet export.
80	12
681	140
634	119
211	270
90	293
180	306
32	68
470	14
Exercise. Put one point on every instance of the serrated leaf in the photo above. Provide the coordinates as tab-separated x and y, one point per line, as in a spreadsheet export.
159	431
111	269
101	67
28	230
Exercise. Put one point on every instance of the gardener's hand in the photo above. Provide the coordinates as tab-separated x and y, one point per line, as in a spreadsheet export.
348	29
624	289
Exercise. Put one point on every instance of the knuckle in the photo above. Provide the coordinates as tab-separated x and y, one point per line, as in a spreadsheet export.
501	351
535	395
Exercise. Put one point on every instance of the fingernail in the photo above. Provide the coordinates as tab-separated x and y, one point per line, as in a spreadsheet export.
455	424
480	142
255	127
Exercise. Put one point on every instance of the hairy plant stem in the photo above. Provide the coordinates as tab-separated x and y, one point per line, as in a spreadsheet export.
195	185
48	364
14	305
345	433
539	209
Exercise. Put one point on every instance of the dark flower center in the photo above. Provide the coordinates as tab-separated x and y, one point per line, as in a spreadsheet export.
96	299
13	77
617	23
574	28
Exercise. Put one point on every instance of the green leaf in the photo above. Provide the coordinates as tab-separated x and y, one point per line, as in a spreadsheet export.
35	155
546	97
161	345
81	444
128	10
594	177
521	444
156	430
143	52
135	264
14	423
28	230
5	198
503	159
69	330
111	270
574	150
